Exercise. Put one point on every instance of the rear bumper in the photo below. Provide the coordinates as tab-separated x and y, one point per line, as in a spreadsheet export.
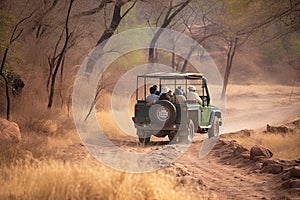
153	127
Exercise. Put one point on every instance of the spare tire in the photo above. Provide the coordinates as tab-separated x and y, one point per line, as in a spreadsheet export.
162	113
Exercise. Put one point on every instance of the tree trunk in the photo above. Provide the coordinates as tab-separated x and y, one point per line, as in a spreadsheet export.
166	22
184	66
60	58
6	84
230	56
53	78
116	19
113	26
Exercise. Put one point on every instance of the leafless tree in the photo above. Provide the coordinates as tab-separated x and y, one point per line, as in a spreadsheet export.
170	14
56	62
16	32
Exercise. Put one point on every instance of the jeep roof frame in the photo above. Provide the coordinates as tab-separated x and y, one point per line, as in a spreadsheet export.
174	76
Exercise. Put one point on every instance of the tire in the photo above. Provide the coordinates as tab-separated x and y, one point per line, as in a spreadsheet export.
163	113
171	136
144	141
214	131
189	133
142	138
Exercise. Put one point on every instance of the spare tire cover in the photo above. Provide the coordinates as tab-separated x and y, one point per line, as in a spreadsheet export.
162	113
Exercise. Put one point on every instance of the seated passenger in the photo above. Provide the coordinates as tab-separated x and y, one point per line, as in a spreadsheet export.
166	94
192	95
178	97
157	92
152	98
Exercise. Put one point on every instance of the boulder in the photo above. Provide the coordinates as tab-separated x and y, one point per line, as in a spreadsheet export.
238	134
295	172
291	184
9	133
272	167
277	129
258	152
239	150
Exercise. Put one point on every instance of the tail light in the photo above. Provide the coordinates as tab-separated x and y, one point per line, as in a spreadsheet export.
135	120
184	109
137	109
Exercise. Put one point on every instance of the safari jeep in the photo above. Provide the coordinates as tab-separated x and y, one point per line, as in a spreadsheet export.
178	121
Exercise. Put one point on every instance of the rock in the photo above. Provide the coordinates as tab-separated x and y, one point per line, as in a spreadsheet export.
291	184
295	172
239	149
9	133
258	152
277	129
296	123
181	170
270	162
272	169
246	155
200	182
238	134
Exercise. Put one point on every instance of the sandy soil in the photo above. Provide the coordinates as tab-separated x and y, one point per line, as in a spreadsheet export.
254	106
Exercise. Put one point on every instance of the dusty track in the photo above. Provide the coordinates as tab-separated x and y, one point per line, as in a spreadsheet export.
220	173
232	177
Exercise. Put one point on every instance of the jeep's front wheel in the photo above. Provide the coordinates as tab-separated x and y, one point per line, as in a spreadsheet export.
214	131
189	133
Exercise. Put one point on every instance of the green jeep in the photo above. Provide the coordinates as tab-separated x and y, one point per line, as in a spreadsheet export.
177	120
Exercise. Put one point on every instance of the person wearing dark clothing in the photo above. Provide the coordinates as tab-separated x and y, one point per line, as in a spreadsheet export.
166	94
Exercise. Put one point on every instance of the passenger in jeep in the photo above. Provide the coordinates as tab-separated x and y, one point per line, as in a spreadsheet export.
178	98
157	92
166	94
192	95
152	98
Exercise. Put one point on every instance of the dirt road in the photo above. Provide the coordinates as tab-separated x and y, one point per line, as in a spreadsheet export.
220	172
232	177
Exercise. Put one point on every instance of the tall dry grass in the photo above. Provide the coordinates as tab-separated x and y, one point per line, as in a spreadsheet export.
283	146
33	171
56	180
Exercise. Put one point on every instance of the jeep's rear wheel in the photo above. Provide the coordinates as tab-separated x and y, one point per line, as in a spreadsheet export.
171	136
143	139
214	131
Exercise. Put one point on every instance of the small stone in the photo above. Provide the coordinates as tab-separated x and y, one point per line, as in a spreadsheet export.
295	172
200	182
258	152
291	184
272	169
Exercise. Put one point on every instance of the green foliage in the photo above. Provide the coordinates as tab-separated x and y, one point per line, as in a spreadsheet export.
295	45
128	61
130	20
236	8
10	74
6	21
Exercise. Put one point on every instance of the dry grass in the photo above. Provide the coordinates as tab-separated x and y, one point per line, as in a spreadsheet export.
56	180
28	172
283	146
